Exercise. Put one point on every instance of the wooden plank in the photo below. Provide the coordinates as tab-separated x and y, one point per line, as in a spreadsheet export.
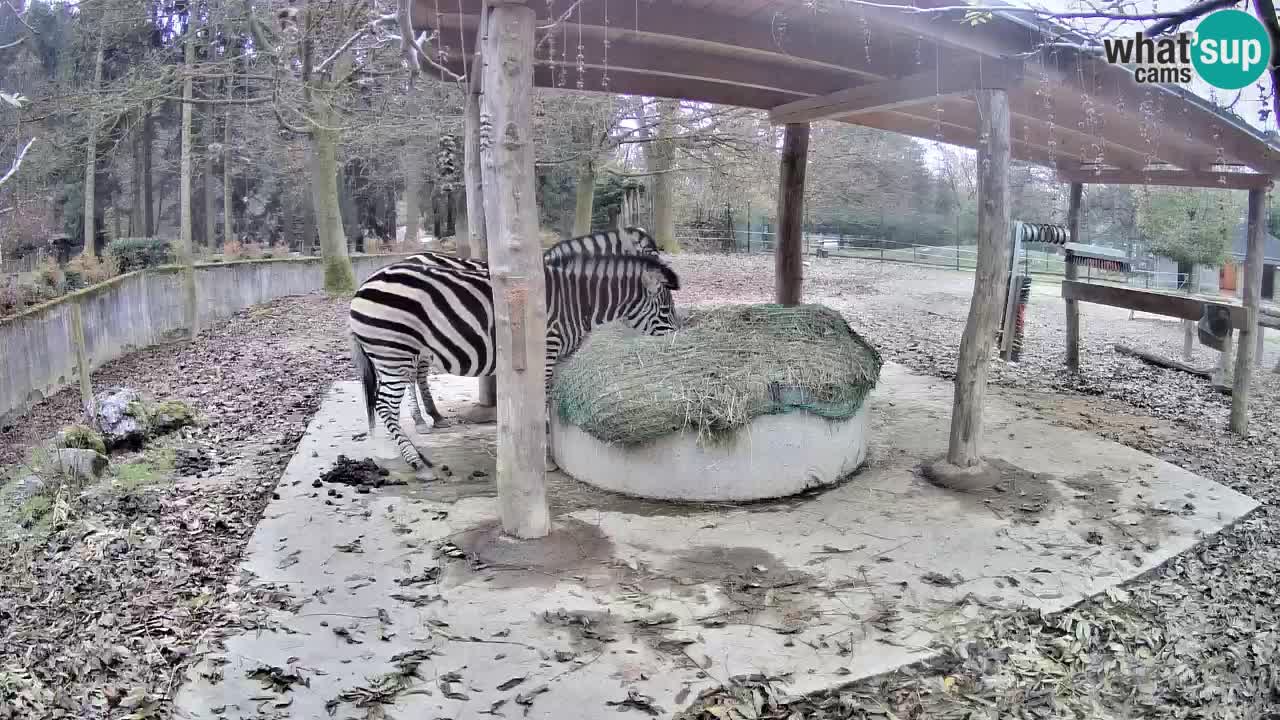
789	251
954	134
1251	295
1148	301
1073	272
990	280
1171	178
515	265
898	92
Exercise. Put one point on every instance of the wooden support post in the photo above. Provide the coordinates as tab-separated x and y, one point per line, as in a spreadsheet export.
789	251
82	362
963	466
1251	295
1072	272
515	267
477	238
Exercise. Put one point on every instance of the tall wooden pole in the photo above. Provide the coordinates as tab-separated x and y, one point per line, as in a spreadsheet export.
789	251
1072	272
515	266
471	179
1251	295
963	466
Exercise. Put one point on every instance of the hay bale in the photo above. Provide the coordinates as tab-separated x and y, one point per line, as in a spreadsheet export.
724	367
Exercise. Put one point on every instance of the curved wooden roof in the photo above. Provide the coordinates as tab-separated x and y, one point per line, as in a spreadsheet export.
892	69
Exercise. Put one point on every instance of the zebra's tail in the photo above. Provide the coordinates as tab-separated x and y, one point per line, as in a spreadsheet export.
368	379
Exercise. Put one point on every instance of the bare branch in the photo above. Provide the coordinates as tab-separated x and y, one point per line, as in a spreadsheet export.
1187	13
341	49
17	162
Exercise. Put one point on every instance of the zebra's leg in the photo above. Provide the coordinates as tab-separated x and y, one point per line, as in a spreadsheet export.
423	371
414	393
390	395
551	465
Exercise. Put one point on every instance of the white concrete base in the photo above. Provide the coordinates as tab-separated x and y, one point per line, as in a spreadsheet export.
666	599
772	457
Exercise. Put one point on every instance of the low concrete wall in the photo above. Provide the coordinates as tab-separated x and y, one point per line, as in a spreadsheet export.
137	310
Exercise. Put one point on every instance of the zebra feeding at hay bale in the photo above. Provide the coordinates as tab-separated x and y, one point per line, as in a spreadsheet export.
743	402
630	240
409	316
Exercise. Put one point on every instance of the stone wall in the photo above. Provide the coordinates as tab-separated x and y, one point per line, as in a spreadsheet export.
137	310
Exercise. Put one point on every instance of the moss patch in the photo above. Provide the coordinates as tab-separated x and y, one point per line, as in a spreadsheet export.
154	467
81	437
170	415
339	277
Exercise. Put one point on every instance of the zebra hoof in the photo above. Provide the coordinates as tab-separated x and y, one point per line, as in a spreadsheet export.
441	423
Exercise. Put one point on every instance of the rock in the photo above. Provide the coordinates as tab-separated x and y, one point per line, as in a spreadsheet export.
81	437
28	487
171	415
86	465
122	418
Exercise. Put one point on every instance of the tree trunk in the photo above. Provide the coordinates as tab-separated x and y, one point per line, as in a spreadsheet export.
584	197
477	238
519	300
1189	326
148	202
135	195
91	157
339	277
789	251
990	280
412	168
662	159
185	246
1251	297
209	182
228	228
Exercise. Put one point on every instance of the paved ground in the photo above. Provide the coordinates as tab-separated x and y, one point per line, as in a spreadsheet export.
653	602
103	612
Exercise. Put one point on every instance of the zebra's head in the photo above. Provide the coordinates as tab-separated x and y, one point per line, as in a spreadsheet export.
657	313
641	239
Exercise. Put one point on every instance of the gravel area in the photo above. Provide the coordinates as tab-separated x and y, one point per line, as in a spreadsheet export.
1195	638
100	619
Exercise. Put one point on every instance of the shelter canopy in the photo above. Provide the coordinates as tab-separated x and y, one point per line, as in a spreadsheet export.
888	68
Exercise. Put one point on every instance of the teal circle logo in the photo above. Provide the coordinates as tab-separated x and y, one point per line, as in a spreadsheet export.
1231	49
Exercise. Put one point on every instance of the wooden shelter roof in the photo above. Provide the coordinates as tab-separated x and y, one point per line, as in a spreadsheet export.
890	68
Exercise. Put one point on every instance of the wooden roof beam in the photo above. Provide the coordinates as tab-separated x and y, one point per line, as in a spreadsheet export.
900	92
1170	178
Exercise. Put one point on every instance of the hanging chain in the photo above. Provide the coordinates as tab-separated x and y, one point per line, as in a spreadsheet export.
604	78
582	60
551	40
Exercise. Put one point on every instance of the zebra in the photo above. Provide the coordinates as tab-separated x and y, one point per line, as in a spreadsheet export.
445	315
630	240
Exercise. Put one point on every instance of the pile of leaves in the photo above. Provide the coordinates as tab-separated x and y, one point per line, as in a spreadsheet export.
102	618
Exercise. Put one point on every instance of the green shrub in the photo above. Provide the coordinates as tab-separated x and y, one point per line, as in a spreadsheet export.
137	253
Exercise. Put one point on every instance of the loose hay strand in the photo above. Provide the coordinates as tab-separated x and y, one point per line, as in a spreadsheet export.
726	366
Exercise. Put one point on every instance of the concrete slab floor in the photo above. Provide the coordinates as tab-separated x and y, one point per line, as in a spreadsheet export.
665	599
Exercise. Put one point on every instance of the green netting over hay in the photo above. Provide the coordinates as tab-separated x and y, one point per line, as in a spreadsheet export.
724	367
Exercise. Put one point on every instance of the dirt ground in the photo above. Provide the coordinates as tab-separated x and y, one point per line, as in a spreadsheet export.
98	619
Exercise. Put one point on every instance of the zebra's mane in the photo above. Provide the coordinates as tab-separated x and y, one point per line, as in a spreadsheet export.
589	262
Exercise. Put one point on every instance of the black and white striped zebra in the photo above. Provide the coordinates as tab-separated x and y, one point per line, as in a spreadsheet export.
445	315
629	241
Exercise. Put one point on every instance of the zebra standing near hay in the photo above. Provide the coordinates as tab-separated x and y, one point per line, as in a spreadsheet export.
445	314
630	240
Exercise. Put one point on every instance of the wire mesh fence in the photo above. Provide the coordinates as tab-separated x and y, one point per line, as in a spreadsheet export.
954	257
